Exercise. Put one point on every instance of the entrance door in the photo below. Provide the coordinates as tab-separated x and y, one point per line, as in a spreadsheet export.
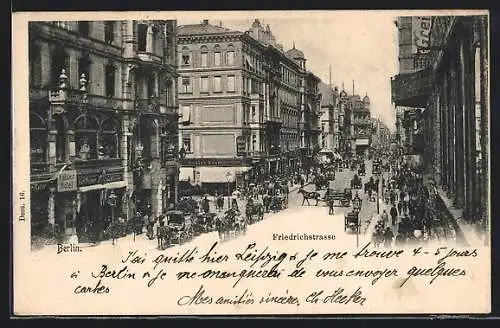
94	214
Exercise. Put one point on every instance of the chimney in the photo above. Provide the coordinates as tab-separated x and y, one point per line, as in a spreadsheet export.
205	22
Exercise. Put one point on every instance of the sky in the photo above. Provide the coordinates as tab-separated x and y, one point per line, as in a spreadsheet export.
359	46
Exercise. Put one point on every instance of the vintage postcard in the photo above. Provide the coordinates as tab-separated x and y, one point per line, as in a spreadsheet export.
238	163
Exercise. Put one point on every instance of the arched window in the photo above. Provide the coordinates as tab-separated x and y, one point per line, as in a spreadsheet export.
38	139
230	55
109	139
86	137
185	57
217	55
204	56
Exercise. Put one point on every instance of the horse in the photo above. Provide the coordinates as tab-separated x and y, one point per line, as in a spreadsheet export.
163	235
254	209
309	195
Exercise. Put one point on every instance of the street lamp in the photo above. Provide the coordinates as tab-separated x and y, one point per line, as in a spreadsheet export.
112	204
228	176
356	206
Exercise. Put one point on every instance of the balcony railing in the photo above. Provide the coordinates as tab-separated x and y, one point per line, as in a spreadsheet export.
112	103
154	106
71	96
149	57
97	163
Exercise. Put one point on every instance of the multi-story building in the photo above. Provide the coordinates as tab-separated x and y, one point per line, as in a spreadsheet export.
241	105
328	132
453	129
357	123
103	114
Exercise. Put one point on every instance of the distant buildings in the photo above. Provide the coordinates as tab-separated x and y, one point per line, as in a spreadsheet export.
103	123
248	109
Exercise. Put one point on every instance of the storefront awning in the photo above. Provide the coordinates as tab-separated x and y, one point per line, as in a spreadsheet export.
186	174
109	185
217	174
412	89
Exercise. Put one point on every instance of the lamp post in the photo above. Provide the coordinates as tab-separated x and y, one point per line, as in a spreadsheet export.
112	203
356	206
228	176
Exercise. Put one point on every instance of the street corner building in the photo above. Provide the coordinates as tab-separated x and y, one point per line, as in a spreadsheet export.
442	102
103	123
248	109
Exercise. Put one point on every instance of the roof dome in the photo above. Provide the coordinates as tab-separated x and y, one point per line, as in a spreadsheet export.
343	94
295	53
366	99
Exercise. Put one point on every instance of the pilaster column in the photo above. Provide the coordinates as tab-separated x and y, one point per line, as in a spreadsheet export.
71	144
149	39
51	208
52	149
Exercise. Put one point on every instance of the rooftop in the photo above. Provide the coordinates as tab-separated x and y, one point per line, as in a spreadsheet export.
202	28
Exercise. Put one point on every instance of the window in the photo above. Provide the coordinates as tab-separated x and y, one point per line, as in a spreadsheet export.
35	60
186	85
38	139
59	61
110	80
230	84
84	28
230	57
217	84
109	140
109	31
204	84
204	59
185	57
217	57
142	32
84	68
60	139
186	142
86	138
253	113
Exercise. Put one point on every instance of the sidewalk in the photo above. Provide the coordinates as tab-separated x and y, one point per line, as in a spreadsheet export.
464	230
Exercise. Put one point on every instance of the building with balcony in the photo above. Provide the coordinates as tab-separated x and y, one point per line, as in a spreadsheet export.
240	106
103	123
357	123
329	137
452	125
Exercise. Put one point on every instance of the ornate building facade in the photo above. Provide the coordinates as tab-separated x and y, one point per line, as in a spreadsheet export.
103	123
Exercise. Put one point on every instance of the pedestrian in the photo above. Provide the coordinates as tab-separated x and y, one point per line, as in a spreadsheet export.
388	236
385	218
400	206
394	215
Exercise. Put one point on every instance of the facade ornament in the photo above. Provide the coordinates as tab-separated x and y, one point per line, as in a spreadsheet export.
130	69
63	78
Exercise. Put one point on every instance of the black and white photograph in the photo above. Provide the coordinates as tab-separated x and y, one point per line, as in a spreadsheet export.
235	163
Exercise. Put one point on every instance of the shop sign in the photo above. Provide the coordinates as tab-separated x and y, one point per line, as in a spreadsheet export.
421	30
67	181
240	146
39	186
215	162
92	179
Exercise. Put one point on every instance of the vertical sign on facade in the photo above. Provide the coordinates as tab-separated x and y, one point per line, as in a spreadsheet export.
421	29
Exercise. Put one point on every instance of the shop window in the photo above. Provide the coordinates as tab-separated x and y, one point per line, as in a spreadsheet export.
109	31
38	139
142	32
110	71
84	28
86	138
109	140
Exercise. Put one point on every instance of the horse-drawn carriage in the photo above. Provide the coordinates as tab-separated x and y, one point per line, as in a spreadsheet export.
343	197
179	226
203	222
362	169
231	223
254	210
351	221
356	183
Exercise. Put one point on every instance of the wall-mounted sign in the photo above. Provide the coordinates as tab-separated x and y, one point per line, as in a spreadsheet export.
67	181
96	178
216	161
421	30
412	89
